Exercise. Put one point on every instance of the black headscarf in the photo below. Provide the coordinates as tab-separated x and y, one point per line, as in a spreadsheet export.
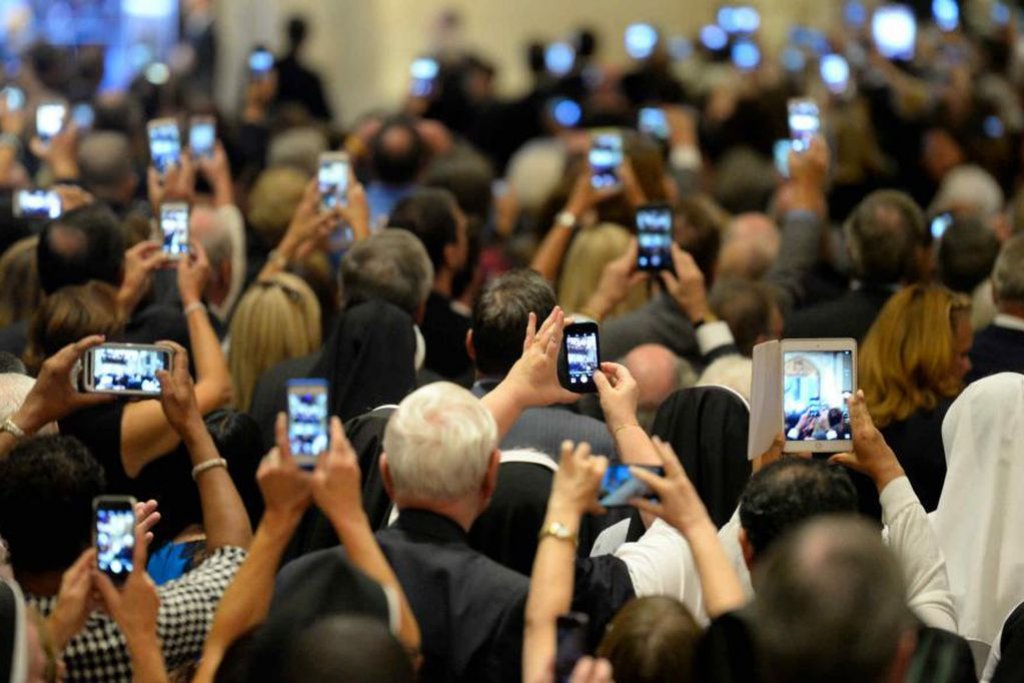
707	427
13	634
369	359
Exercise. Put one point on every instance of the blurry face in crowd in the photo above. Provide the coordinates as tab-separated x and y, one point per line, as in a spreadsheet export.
963	338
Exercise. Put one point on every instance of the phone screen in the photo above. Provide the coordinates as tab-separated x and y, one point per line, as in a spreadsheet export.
565	112
835	72
174	227
815	388
653	122
127	369
654	237
308	435
202	135
164	145
115	536
15	97
261	61
780	153
582	357
423	72
940	224
49	119
746	55
605	158
83	115
804	123
894	30
619	486
571	644
333	180
37	204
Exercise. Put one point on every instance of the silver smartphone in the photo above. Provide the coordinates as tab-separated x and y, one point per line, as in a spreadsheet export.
113	535
124	369
174	231
308	433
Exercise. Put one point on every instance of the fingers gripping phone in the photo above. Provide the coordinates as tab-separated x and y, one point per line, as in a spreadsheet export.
332	179
804	123
308	434
124	369
164	144
114	536
50	119
582	357
654	237
174	228
605	159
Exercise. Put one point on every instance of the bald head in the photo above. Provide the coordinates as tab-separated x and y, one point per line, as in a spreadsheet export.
656	371
750	246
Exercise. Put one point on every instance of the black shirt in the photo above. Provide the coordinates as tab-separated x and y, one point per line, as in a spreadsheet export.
444	331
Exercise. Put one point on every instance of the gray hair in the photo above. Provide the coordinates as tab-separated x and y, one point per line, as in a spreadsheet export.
104	158
882	234
1008	274
439	443
216	240
391	265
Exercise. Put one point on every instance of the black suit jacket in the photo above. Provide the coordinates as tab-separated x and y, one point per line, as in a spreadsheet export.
996	349
851	315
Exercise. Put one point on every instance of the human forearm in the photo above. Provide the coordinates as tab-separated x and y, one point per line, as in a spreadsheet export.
224	517
722	589
548	259
147	658
247	599
213	379
505	404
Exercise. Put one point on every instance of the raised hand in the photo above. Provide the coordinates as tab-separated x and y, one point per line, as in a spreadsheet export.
871	454
686	286
578	479
193	274
337	483
535	375
140	262
619	394
74	600
679	504
177	393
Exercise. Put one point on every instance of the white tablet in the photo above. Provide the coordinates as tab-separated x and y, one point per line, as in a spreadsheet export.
818	377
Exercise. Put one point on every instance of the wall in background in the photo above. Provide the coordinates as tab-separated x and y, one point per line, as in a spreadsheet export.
364	47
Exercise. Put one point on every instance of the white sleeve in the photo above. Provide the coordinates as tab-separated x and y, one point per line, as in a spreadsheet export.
660	563
911	538
713	335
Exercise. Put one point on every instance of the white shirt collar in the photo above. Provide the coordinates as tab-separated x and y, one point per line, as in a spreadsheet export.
1010	322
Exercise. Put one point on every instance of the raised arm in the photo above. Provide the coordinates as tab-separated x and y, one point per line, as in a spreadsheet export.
573	493
286	492
681	507
224	518
619	395
308	227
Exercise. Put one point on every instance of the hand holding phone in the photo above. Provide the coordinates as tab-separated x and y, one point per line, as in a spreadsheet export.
332	180
605	159
50	119
654	237
114	536
654	122
164	144
818	378
202	137
174	229
125	369
308	434
580	342
804	123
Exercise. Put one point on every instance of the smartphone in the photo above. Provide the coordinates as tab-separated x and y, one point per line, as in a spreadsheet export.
894	30
605	158
946	14
566	112
804	123
713	38
114	535
559	58
640	40
993	127
571	643
14	97
582	357
83	115
423	72
619	486
654	237
308	434
835	73
174	230
1000	14
742	19
818	378
332	179
745	55
261	63
50	119
125	369
36	204
202	136
940	224
164	144
780	153
653	122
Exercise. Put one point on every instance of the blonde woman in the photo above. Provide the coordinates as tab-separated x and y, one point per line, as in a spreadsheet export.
278	318
589	253
912	365
20	293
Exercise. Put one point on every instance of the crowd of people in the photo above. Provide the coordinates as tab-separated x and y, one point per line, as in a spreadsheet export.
450	529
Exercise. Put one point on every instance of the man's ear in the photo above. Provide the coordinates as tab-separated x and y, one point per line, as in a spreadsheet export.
746	547
385	475
470	350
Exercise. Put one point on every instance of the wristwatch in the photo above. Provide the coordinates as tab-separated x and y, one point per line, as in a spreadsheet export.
559	531
566	219
12	429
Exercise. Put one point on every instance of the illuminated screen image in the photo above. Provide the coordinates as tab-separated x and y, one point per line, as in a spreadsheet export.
816	385
307	420
125	369
174	223
582	357
115	540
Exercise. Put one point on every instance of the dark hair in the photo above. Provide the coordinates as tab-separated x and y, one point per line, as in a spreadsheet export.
468	178
83	244
967	253
9	363
47	484
700	231
428	214
883	234
746	307
650	640
70	314
791	491
835	614
297	29
500	317
398	152
348	648
391	265
238	436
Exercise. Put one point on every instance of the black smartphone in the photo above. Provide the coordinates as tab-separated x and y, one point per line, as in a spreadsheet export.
114	535
619	486
571	643
654	237
582	357
174	217
124	369
308	434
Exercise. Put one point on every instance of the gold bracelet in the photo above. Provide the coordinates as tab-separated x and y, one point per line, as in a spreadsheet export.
621	427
